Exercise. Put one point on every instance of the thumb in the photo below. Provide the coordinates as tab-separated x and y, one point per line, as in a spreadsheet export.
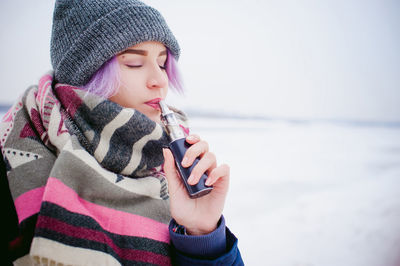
170	170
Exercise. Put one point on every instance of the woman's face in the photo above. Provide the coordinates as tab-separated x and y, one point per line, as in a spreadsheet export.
144	81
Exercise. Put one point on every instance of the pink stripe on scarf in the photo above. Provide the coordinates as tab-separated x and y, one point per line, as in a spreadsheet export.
29	203
42	89
44	79
185	130
101	237
114	221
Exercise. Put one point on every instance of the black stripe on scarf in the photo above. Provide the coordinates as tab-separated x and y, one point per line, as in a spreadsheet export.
54	219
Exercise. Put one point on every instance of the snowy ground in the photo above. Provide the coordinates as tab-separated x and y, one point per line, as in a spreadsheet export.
310	194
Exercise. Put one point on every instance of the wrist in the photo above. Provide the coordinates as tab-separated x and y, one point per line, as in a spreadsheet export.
200	231
206	227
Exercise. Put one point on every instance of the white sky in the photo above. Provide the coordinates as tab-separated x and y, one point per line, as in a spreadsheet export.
299	59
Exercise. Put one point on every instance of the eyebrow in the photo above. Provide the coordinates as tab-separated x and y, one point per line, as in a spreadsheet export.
140	52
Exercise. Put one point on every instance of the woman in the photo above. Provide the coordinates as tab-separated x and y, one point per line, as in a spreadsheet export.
83	151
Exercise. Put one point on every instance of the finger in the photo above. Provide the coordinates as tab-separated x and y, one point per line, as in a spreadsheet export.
217	173
170	170
208	162
192	139
193	152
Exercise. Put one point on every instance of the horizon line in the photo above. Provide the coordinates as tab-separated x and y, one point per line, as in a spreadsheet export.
295	120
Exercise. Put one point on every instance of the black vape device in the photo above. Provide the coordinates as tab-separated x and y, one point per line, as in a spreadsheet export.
178	147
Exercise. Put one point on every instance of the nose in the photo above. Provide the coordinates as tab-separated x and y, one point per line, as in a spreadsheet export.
157	78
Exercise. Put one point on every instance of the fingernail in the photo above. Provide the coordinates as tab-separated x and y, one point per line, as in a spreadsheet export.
190	179
190	137
208	182
185	161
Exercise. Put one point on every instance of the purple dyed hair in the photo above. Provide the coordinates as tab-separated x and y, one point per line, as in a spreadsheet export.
106	81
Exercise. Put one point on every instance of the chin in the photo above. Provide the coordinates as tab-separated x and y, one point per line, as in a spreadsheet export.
154	117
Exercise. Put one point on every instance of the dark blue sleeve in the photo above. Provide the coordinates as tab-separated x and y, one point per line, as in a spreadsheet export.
217	248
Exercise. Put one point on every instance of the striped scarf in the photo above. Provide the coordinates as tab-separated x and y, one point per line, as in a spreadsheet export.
85	176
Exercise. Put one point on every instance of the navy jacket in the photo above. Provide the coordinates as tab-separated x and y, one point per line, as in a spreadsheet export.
217	248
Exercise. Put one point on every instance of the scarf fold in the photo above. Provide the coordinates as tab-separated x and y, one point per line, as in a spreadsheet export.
85	176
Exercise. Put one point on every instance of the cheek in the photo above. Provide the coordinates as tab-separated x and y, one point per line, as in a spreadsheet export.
127	95
165	91
123	98
132	79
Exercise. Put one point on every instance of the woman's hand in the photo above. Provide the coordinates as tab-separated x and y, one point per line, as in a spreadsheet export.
199	216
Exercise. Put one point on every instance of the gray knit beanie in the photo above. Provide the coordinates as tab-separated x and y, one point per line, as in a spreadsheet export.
88	33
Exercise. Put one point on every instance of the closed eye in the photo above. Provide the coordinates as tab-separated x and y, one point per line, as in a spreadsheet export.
133	66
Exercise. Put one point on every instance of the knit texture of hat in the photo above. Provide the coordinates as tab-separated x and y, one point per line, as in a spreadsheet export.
88	33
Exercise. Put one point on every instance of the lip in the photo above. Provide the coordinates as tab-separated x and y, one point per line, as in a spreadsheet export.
154	103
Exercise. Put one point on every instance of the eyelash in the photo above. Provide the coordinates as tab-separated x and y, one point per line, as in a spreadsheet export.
162	67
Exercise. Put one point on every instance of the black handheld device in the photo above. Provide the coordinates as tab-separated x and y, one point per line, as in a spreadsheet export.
178	147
